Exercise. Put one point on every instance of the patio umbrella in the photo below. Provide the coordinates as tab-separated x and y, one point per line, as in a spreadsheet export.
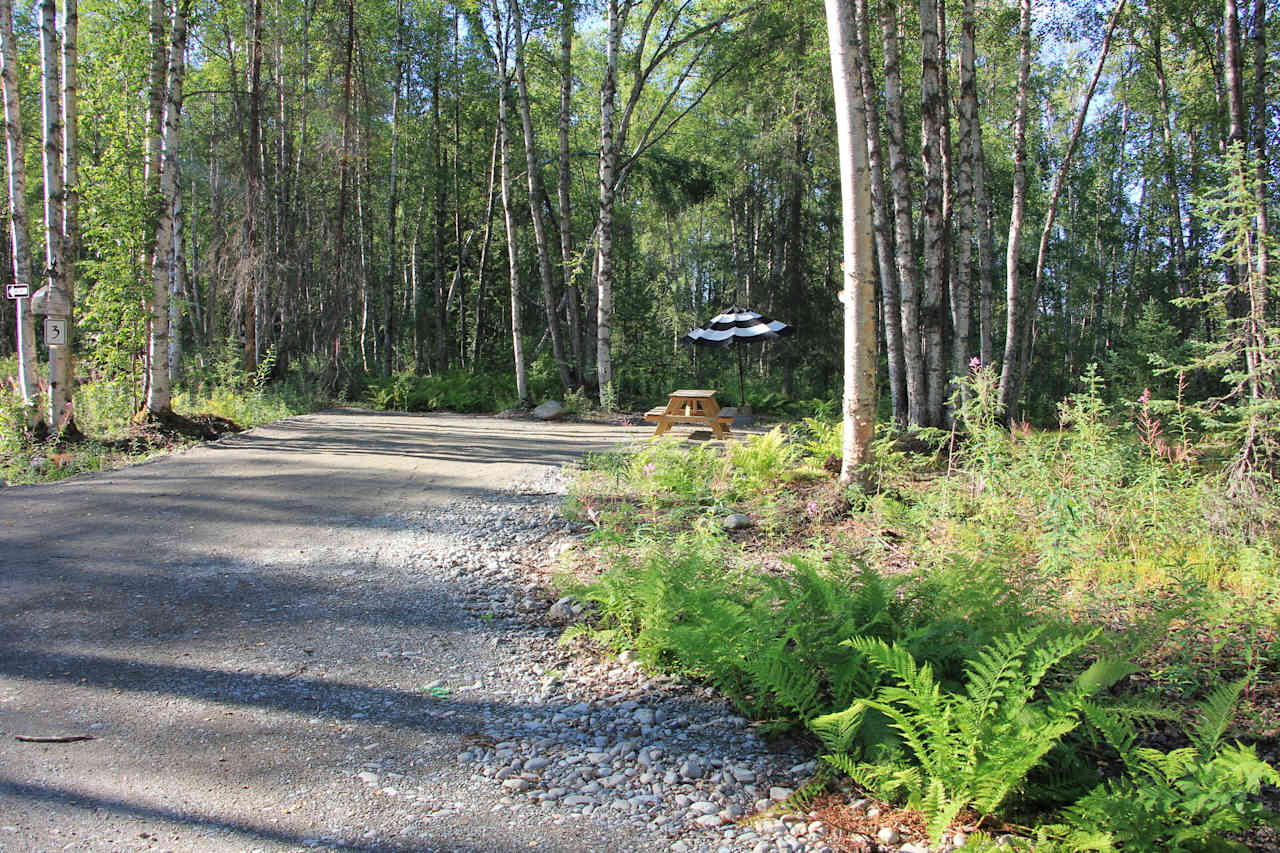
737	326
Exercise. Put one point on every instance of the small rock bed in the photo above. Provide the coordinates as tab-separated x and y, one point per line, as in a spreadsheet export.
601	738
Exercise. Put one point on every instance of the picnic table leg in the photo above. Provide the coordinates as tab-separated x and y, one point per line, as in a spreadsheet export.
663	426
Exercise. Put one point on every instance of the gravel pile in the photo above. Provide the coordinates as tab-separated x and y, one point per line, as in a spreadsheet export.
596	738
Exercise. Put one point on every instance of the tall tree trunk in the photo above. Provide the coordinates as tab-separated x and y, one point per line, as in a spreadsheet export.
1009	370
438	215
967	219
70	147
508	213
251	257
608	186
900	183
986	243
179	300
1051	213
934	231
570	264
19	225
1170	167
341	295
159	401
536	193
880	220
58	300
393	206
858	293
1261	162
484	254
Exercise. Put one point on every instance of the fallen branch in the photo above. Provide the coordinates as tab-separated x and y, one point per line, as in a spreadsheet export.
52	738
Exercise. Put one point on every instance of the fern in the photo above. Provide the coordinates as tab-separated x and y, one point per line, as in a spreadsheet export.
1187	799
966	750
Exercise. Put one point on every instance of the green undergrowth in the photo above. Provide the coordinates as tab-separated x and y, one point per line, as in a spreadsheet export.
106	409
992	636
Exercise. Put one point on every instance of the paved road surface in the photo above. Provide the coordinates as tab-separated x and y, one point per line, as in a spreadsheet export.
203	618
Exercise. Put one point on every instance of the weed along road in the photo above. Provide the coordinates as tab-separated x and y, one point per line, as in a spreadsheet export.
319	634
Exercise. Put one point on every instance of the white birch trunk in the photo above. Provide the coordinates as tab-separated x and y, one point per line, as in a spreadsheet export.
16	169
508	214
60	390
608	186
858	294
1008	371
159	394
932	213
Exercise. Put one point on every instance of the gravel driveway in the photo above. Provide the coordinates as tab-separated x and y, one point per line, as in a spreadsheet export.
333	633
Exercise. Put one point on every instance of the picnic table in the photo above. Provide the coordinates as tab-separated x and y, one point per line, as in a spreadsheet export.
692	406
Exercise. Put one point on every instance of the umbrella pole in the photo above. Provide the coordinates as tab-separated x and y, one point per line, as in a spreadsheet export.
742	395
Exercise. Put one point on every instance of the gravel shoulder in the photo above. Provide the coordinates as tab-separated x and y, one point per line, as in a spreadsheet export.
332	633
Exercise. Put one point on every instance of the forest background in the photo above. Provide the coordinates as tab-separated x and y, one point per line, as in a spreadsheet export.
527	201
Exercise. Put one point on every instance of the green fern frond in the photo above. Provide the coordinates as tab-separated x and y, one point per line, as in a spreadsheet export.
837	730
939	811
996	668
1216	713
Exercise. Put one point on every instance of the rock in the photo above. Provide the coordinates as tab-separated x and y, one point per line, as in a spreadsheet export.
562	610
644	716
693	768
549	411
708	820
367	777
704	807
911	847
959	840
737	521
778	793
744	775
888	835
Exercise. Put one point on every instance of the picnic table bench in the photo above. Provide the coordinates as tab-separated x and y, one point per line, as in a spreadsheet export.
692	406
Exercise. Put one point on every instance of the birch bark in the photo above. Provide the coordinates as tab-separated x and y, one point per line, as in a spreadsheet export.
608	185
59	302
900	183
159	397
16	170
1008	371
934	230
508	214
858	293
880	221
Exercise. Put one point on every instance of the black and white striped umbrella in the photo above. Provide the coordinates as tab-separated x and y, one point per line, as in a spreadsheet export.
737	326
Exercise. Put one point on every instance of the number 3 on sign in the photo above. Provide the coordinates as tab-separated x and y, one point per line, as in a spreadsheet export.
55	331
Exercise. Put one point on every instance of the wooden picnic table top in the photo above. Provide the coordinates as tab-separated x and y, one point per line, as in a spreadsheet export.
694	393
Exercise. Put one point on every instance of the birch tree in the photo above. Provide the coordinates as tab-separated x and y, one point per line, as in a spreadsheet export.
858	293
58	300
1009	369
159	398
15	163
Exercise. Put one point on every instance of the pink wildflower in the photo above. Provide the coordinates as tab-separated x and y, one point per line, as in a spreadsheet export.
649	469
1146	396
975	363
812	508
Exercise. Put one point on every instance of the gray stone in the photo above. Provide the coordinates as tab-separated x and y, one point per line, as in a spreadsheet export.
737	521
888	835
778	793
562	610
911	847
367	777
693	768
549	411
